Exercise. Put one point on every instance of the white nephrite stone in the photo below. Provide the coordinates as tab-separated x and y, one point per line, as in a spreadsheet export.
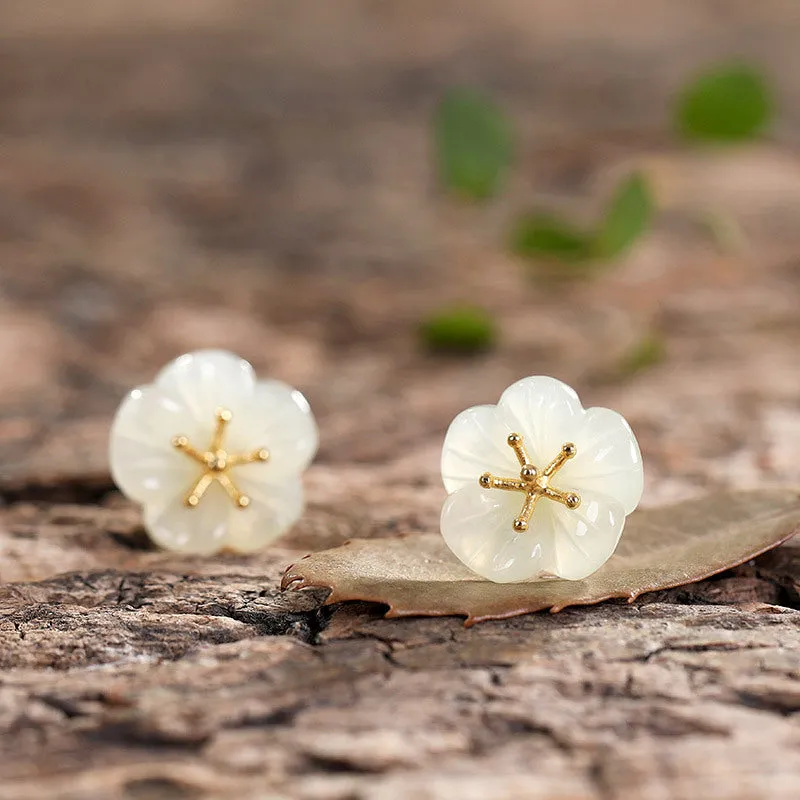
563	519
213	455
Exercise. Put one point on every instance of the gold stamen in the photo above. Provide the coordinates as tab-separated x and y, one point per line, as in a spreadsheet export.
217	463
223	417
241	500
199	489
249	458
533	483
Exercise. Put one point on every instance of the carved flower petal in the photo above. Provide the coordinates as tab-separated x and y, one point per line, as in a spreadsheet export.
545	411
201	530
476	443
272	511
143	462
149	468
606	473
278	418
608	460
477	523
205	381
585	537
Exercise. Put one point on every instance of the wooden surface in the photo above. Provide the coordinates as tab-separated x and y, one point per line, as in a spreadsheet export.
257	176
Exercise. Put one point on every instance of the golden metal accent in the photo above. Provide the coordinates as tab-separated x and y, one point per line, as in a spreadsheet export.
531	482
217	463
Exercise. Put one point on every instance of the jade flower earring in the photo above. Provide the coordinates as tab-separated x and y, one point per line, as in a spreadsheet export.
213	455
538	486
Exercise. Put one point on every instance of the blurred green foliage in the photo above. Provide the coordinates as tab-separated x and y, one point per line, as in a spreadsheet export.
460	330
543	235
647	352
628	216
629	213
729	103
474	146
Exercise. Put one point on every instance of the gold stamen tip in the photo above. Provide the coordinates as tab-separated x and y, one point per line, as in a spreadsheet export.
263	455
192	501
528	472
180	442
486	480
520	526
514	438
243	501
224	415
569	449
573	500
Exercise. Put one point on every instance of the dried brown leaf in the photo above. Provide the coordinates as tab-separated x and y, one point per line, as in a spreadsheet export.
416	574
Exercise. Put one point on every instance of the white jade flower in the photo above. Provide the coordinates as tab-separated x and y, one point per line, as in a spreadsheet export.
213	455
538	486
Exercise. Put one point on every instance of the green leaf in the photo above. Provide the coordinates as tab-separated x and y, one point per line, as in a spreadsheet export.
628	216
417	575
461	330
730	103
547	237
646	353
473	144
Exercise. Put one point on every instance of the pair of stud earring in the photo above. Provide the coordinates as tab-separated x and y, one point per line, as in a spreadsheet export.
537	485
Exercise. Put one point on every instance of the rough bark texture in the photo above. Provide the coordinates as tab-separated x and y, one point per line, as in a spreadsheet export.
256	176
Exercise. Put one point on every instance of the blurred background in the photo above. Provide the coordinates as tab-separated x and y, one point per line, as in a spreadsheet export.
401	208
